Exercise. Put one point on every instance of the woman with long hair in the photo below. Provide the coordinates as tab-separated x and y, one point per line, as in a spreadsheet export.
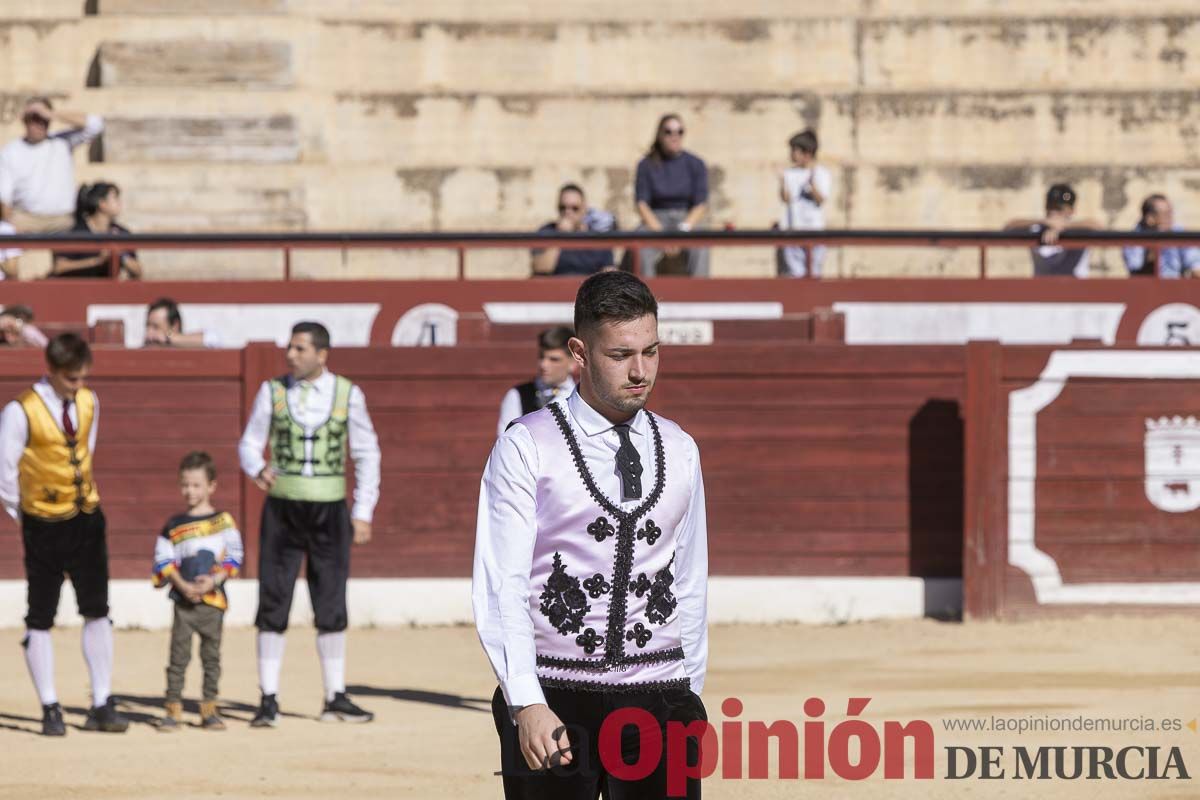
96	209
671	194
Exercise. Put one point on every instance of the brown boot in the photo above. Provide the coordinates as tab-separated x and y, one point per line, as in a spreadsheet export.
173	718
210	720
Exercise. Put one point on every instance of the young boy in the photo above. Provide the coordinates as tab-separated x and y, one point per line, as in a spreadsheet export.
803	188
196	553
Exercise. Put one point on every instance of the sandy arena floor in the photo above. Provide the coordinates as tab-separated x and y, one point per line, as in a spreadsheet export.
434	738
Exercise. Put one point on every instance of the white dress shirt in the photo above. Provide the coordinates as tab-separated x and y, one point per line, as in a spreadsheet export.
311	409
14	435
510	406
506	532
40	178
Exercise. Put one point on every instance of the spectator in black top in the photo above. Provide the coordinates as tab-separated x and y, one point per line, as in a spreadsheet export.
671	193
574	217
96	211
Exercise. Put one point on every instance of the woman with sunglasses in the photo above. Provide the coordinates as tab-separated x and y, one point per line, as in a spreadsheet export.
671	194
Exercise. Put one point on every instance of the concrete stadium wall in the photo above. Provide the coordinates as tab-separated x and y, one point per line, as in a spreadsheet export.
299	115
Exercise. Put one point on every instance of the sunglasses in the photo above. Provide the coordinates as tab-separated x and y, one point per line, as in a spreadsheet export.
672	131
564	207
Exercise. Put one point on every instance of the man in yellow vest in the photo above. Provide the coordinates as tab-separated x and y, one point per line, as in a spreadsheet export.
312	420
47	439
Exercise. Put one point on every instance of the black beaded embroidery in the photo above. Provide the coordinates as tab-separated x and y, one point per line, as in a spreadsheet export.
596	686
601	664
614	641
596	586
639	634
662	601
563	602
641	585
589	641
601	529
650	532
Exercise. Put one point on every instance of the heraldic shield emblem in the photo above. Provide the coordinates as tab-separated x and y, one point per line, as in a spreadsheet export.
1173	463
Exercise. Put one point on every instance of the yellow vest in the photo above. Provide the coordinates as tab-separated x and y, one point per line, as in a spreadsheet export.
56	473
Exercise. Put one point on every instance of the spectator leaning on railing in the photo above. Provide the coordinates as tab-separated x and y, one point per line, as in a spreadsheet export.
96	211
1165	262
574	216
37	171
671	194
164	327
17	328
1049	259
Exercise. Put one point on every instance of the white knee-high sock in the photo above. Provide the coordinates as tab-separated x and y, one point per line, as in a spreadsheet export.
270	660
98	652
331	647
39	657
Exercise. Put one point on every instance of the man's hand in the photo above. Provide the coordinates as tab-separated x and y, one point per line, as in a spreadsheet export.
204	584
265	479
40	109
362	531
536	728
565	224
1051	228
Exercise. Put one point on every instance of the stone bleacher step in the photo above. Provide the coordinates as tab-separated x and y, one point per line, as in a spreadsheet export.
190	8
196	62
252	139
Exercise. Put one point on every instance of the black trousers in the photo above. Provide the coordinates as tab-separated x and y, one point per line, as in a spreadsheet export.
585	778
291	530
75	547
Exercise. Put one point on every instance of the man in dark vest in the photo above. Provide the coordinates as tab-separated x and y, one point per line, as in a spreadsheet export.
554	381
311	417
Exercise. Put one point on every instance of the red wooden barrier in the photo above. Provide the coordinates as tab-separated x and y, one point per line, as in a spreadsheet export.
1082	480
819	459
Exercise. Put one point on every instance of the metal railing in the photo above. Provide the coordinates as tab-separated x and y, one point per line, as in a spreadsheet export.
634	240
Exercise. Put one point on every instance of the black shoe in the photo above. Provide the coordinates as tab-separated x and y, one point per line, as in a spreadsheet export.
340	709
268	713
106	718
52	721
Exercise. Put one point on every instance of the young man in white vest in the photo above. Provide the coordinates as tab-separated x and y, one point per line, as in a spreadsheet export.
311	418
591	562
47	441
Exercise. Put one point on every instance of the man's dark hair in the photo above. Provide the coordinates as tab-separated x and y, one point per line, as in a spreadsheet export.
1060	196
318	332
572	187
805	141
1148	204
23	313
68	351
198	459
172	309
612	297
554	338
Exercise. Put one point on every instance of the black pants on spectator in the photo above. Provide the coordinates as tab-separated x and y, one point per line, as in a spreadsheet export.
583	713
75	547
291	530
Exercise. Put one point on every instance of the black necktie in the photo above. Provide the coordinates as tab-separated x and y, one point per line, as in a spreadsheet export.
629	464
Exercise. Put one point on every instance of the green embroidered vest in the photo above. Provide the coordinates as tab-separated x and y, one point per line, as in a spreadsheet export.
326	482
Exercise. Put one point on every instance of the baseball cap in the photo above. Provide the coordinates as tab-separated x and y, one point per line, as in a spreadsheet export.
1060	195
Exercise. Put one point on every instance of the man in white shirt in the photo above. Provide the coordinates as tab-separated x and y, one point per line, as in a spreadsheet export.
553	382
309	417
1050	259
47	441
37	171
591	564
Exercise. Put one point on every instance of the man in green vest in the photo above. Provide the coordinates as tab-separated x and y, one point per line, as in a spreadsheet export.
310	418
